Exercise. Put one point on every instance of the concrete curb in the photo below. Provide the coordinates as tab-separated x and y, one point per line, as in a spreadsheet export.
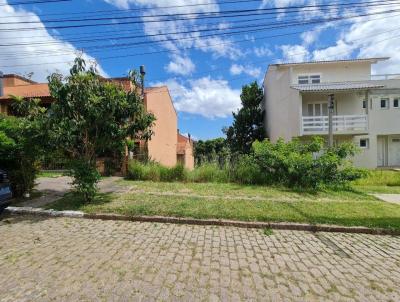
215	222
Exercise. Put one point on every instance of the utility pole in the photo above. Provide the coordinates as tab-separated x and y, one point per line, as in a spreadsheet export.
331	107
142	74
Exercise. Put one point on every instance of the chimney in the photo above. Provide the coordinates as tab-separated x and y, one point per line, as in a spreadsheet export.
1	84
142	74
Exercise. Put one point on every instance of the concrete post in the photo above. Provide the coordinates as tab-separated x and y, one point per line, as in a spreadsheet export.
331	106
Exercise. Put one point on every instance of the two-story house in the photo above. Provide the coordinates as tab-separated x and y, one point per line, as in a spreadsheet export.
366	107
165	145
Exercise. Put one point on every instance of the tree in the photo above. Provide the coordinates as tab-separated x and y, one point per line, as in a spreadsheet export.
247	124
213	150
90	115
22	143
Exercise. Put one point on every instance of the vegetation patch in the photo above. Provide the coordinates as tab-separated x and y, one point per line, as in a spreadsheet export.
273	204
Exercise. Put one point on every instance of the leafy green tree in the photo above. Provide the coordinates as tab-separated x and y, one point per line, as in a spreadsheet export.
90	115
22	143
247	124
213	150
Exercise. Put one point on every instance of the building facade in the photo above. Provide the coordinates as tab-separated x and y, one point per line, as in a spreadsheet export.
163	146
366	106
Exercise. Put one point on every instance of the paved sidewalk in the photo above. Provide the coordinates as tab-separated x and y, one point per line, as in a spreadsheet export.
65	259
392	198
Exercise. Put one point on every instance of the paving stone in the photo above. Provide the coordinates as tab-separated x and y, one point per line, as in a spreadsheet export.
66	259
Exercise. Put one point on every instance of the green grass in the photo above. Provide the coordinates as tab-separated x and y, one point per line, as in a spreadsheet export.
51	174
246	203
379	181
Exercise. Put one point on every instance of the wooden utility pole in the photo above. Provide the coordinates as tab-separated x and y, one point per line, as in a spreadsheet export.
331	107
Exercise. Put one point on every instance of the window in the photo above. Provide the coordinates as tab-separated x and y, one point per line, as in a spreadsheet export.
364	143
303	79
315	79
396	103
311	79
364	104
384	103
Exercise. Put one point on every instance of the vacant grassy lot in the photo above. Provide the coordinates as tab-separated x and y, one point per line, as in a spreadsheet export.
379	181
353	207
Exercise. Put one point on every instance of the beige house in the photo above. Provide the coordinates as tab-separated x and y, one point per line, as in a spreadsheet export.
163	146
366	106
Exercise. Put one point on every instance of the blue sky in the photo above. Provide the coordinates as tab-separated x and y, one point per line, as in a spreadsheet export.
203	69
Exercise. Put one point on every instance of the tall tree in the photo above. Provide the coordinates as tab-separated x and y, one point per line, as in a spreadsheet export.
91	114
247	124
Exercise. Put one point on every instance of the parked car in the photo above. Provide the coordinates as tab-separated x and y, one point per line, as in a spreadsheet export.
5	191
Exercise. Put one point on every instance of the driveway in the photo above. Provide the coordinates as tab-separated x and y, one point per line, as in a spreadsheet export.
66	259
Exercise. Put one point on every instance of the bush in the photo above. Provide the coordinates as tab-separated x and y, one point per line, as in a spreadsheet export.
305	165
20	150
246	171
85	177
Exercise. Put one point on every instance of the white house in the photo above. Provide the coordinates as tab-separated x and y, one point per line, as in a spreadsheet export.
366	111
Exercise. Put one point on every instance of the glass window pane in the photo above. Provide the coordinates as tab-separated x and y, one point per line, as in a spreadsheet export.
317	109
310	109
315	79
396	103
303	79
325	109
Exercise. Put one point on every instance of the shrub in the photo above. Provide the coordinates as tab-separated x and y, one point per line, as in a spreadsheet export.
85	178
305	165
246	171
20	149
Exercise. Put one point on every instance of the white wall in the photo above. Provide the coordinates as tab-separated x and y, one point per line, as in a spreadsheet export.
334	72
282	105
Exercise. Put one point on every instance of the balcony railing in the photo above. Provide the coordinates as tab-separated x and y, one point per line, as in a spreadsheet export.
341	123
389	76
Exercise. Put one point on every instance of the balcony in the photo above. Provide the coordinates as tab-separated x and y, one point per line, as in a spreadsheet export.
342	124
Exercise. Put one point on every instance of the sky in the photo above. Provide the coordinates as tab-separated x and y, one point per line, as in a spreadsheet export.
203	50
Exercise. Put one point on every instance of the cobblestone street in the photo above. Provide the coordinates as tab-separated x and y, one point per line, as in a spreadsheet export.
65	259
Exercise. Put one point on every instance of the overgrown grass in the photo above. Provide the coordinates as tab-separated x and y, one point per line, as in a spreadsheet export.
379	181
246	203
51	174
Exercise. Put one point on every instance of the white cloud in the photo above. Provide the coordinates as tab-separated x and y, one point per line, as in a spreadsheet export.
374	36
211	98
35	57
294	53
263	51
216	45
237	69
180	65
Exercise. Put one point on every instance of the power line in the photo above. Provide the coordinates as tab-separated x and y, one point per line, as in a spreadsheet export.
34	2
254	28
195	16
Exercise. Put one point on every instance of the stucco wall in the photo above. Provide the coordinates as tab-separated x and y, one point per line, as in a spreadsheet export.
162	146
282	105
334	72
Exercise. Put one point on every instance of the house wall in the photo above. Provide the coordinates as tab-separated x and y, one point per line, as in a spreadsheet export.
162	146
334	72
282	105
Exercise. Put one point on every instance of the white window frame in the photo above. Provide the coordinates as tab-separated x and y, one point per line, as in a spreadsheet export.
309	78
387	103
366	143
